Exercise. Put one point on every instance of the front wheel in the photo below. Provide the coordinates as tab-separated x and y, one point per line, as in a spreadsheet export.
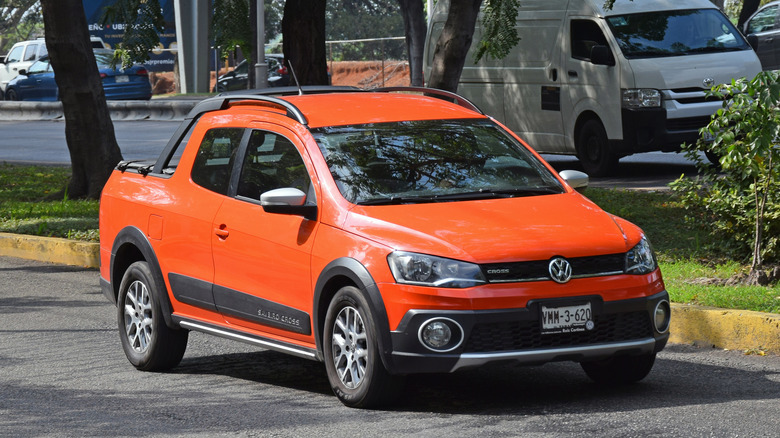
149	344
593	150
11	95
619	370
354	368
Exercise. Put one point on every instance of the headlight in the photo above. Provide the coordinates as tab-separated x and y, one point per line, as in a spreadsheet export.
426	270
641	259
641	98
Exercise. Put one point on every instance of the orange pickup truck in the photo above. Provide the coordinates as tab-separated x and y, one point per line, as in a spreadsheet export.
384	233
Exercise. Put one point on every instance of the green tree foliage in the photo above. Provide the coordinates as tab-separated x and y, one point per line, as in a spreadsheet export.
740	202
364	19
231	28
499	33
19	20
145	22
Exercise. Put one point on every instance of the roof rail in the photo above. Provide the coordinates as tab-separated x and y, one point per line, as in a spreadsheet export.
222	100
435	92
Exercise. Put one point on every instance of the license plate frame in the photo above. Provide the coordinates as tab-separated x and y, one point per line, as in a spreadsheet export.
566	318
122	78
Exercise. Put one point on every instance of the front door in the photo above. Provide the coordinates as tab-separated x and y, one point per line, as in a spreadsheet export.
262	260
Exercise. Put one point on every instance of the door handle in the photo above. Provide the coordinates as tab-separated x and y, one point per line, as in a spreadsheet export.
222	232
572	74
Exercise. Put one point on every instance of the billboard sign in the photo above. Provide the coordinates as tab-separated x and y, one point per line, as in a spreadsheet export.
161	59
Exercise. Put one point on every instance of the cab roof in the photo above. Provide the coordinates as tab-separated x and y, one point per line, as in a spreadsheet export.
338	106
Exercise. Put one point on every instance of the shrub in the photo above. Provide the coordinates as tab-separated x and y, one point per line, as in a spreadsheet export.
738	201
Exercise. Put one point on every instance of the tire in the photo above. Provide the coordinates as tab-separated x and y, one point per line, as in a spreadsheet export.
149	344
355	370
11	95
593	150
619	370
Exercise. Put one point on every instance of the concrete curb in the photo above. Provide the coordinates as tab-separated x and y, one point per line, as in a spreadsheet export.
51	249
703	326
168	109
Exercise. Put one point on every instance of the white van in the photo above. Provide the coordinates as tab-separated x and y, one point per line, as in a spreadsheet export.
21	56
603	84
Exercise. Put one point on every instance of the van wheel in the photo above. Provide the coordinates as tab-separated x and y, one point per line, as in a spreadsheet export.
619	370
593	150
354	368
149	344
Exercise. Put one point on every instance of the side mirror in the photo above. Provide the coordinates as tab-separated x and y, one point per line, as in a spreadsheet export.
2	59
289	201
22	72
601	55
752	39
577	180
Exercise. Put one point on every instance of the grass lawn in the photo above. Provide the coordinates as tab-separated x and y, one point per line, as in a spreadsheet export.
692	275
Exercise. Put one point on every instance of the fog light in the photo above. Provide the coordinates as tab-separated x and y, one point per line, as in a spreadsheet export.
441	334
662	318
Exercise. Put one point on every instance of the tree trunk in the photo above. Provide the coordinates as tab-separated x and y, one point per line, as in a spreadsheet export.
748	8
415	30
89	131
303	30
449	57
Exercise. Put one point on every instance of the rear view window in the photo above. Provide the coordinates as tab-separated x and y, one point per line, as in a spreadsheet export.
214	161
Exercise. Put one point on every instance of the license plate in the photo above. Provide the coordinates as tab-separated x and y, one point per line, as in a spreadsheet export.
566	319
123	78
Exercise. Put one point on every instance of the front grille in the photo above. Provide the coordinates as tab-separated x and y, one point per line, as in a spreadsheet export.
526	335
687	123
539	269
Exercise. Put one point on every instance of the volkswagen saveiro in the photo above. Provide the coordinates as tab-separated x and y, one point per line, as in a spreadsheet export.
382	233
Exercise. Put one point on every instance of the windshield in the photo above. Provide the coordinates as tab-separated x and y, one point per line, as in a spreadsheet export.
675	33
431	161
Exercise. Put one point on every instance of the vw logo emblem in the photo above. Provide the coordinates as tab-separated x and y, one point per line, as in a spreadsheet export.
560	270
708	82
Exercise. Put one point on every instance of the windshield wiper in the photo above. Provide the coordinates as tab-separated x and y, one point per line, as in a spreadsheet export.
465	196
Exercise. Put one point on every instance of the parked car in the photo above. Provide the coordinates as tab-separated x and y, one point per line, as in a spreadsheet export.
38	82
381	232
238	77
21	56
763	30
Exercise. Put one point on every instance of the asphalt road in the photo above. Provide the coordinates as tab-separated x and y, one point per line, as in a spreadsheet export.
63	373
44	142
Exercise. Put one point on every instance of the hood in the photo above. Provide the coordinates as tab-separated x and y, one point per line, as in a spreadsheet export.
677	72
492	231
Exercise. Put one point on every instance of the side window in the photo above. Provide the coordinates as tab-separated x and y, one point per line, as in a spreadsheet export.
41	66
214	161
584	35
15	55
29	53
271	162
763	21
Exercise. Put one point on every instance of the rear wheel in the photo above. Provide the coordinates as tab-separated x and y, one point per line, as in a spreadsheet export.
593	150
149	344
354	368
619	370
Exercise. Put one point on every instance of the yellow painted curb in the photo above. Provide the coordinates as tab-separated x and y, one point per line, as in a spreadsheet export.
699	325
724	328
50	249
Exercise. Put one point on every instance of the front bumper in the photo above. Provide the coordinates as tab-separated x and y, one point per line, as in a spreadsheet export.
649	129
514	335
